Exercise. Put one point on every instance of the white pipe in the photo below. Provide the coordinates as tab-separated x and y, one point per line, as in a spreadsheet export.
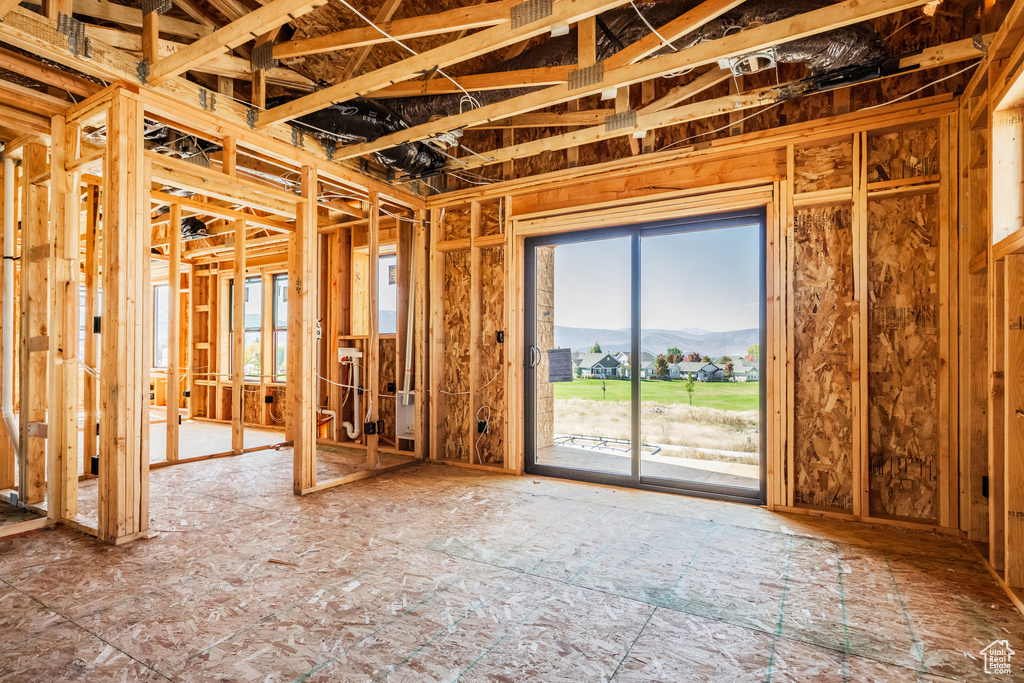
410	321
334	420
7	400
353	381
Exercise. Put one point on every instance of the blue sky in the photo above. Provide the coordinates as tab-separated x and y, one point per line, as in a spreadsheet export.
704	279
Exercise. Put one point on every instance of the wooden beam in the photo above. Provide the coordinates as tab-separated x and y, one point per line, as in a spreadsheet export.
30	68
238	343
32	384
31	100
270	16
488	40
591	117
150	36
7	5
681	93
787	30
522	78
650	118
214	210
173	334
677	28
129	16
463	18
23	121
383	16
65	214
302	309
226	65
124	461
91	351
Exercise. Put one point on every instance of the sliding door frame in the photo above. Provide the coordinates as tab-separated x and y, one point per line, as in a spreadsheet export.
756	216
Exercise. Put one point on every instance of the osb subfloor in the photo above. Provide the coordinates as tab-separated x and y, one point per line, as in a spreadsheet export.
10	515
442	574
738	475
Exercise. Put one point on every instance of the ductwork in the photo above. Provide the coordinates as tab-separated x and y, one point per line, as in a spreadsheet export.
843	50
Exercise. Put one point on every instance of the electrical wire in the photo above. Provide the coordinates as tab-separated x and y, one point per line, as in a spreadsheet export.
466	96
467	393
717	130
479	458
923	87
654	30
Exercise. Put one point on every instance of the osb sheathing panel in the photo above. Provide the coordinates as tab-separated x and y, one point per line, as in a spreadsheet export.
492	354
277	407
903	355
823	357
455	360
252	405
490	219
908	154
387	407
457	223
200	335
825	167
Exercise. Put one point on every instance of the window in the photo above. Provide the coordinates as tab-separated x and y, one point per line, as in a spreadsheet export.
252	315
280	324
387	295
161	308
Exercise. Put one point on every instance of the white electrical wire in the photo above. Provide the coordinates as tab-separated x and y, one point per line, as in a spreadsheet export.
467	393
923	87
479	458
716	130
664	40
93	372
466	98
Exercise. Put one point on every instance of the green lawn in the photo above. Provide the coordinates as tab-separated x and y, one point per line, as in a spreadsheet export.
721	395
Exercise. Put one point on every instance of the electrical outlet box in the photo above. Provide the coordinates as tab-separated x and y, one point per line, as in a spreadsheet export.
481	427
269	398
391	387
501	336
370	428
186	393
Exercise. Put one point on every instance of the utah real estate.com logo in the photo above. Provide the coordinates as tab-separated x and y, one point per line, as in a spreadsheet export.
997	657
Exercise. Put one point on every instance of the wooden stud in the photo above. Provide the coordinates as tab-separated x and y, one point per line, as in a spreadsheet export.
859	365
91	350
475	333
372	357
1013	488
302	334
238	343
174	334
124	460
32	364
65	203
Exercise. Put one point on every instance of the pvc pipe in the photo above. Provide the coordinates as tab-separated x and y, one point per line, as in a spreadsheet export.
353	431
410	322
7	399
334	420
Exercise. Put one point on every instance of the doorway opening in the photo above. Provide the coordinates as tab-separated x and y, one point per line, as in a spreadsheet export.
643	356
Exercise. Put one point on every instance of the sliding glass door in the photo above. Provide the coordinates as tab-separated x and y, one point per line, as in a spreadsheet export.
643	358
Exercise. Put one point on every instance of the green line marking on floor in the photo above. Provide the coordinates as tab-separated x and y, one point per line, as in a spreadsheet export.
842	604
906	619
782	609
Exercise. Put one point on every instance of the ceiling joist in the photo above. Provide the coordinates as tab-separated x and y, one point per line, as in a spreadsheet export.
776	33
941	55
564	12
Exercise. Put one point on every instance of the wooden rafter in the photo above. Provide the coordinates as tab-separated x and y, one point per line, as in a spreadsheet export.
129	16
786	30
12	61
481	16
523	78
681	93
937	56
488	40
356	61
7	5
270	16
678	27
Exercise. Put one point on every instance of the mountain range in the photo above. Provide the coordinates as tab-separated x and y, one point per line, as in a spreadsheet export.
714	344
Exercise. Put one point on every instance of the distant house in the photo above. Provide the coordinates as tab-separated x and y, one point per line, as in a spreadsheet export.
744	371
597	365
623	358
674	371
701	372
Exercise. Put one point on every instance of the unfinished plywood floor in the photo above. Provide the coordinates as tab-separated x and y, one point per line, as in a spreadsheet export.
442	574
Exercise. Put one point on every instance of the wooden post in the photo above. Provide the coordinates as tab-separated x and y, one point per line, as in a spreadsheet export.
1014	418
124	462
859	366
475	331
34	319
436	333
91	351
65	203
372	356
405	250
302	334
173	332
422	247
8	457
238	344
